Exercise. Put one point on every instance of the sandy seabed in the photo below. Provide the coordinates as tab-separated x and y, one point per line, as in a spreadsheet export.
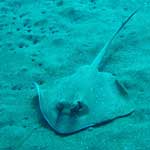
45	40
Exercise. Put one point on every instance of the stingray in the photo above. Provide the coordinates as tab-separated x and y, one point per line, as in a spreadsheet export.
87	98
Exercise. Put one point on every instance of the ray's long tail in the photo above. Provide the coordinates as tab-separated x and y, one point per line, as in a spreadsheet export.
102	52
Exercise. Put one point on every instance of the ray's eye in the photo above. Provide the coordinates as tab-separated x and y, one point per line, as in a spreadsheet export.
60	106
76	108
